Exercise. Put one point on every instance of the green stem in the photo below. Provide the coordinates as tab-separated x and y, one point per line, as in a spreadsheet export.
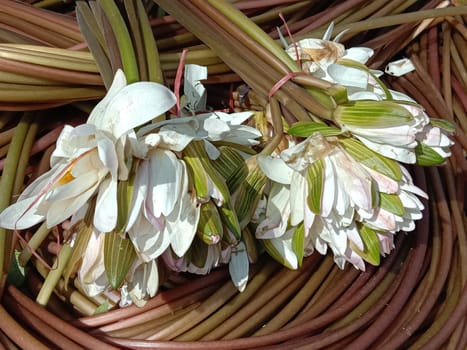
125	47
381	22
150	46
216	321
254	31
276	117
54	275
34	243
6	186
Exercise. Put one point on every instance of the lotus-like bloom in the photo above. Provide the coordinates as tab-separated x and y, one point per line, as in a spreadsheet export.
336	200
90	159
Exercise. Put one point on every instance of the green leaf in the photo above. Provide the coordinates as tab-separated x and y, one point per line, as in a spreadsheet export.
298	243
231	165
308	128
248	195
372	114
315	179
427	156
16	274
196	157
230	220
392	203
119	255
125	45
371	159
371	250
443	124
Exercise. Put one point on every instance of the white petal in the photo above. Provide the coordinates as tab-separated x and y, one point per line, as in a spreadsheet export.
277	213
135	105
140	188
399	67
96	115
239	266
73	188
275	169
148	242
215	128
106	212
356	180
211	150
182	223
298	194
144	282
165	179
283	246
359	54
194	91
401	153
21	215
108	155
364	95
92	274
330	188
59	211
348	76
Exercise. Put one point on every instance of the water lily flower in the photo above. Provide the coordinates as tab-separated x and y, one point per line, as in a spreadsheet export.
343	201
88	159
163	211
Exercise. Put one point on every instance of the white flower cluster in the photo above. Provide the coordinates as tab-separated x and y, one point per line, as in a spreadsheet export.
342	186
138	176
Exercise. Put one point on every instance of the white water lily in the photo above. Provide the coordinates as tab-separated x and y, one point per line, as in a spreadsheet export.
88	159
163	212
339	201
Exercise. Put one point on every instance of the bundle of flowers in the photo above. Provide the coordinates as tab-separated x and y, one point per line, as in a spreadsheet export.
316	159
